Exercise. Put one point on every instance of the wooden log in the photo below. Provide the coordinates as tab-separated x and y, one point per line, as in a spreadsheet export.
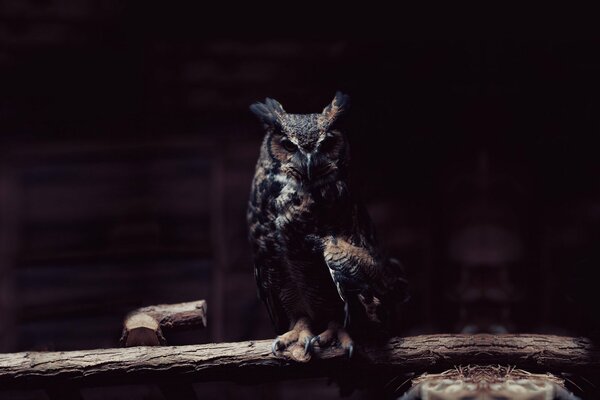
253	361
144	326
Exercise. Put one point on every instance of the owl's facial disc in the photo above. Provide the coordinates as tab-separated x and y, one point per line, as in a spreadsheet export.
306	147
313	161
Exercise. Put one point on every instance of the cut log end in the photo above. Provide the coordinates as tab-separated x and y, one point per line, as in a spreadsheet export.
144	326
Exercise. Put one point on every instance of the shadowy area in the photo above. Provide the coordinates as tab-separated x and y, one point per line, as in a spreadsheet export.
127	151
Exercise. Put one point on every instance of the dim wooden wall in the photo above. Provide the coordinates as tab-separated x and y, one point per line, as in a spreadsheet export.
128	148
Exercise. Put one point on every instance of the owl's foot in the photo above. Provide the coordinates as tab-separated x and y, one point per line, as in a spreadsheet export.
335	333
295	342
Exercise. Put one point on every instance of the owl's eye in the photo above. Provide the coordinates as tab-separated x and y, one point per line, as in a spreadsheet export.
327	143
288	145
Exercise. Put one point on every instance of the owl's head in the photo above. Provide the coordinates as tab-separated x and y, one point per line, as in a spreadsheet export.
306	147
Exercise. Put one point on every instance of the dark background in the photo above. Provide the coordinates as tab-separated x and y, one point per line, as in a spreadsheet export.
127	150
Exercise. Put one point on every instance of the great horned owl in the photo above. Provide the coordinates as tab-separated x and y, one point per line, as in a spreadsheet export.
317	265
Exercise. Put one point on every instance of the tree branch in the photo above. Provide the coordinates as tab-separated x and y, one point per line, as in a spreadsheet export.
253	362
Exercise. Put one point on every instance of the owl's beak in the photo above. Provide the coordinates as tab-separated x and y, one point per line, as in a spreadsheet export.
309	166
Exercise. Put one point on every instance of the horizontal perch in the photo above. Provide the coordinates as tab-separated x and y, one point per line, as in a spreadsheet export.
143	327
253	362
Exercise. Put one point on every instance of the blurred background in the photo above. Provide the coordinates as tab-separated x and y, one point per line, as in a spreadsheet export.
127	151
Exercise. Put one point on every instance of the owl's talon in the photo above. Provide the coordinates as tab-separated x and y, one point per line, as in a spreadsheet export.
276	346
308	345
296	343
315	339
350	349
346	315
335	334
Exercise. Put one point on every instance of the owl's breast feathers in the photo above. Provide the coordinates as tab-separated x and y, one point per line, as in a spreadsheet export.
286	221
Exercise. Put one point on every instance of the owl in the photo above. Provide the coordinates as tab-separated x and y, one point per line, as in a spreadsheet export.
317	264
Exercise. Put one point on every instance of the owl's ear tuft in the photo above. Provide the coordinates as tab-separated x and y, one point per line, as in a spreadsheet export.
339	105
269	112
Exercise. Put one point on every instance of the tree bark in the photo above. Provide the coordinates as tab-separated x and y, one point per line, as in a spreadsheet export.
253	362
143	327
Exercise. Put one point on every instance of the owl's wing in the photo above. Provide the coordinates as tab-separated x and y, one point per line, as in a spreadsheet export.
364	279
268	282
